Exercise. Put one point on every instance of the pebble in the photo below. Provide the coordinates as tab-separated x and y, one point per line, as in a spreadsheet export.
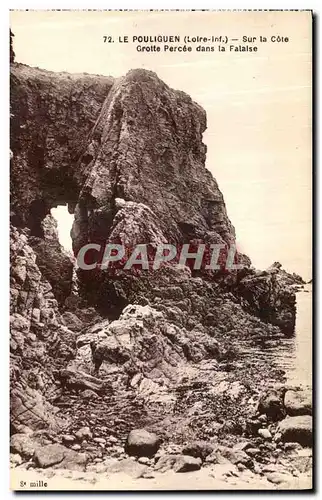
112	439
144	461
99	440
83	433
68	438
278	478
241	467
148	475
257	469
15	459
264	433
76	447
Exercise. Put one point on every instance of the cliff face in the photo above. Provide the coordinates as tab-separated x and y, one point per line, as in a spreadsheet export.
52	115
39	340
127	157
53	261
146	147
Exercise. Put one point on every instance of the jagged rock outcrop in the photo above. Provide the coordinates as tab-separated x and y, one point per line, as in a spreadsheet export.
145	343
38	342
136	140
269	295
53	261
52	115
146	147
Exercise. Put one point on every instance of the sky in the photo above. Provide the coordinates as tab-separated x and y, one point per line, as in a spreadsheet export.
258	107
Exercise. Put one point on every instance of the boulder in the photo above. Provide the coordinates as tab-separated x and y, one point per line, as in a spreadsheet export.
80	380
74	461
15	459
23	444
141	443
58	456
271	404
166	462
264	433
84	433
126	466
198	449
50	455
68	438
89	395
296	429
298	402
235	456
279	477
186	463
177	463
226	455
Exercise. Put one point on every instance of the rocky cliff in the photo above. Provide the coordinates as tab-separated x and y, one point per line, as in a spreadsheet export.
127	157
52	115
146	147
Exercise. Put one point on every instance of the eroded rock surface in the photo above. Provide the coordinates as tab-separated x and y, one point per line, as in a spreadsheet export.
165	350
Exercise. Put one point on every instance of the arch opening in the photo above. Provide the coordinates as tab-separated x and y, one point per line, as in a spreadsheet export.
64	221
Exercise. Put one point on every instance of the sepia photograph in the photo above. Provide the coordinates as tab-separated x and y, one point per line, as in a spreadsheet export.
161	250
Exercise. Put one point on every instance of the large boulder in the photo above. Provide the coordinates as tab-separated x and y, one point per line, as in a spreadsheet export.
271	404
23	444
296	429
177	463
51	454
141	443
84	433
59	456
267	295
234	455
186	463
298	402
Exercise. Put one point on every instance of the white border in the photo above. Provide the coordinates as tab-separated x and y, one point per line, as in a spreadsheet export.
4	54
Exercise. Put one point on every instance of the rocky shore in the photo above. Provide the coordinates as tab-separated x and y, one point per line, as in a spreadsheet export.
126	380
